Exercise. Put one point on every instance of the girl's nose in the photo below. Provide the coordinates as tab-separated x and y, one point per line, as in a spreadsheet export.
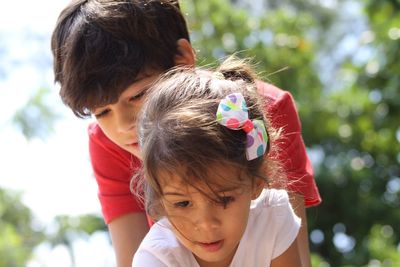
207	218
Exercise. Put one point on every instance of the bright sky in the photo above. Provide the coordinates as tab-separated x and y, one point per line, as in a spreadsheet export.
54	175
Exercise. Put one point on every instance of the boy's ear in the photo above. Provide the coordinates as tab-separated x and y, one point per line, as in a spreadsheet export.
185	55
258	186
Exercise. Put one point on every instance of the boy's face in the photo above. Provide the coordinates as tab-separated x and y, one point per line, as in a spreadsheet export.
118	120
210	230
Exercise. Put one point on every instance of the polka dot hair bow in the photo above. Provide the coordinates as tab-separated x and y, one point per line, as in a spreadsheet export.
233	113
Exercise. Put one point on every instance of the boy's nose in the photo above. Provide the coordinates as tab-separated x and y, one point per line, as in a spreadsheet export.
125	120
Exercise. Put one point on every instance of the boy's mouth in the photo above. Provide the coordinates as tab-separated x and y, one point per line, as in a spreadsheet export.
133	144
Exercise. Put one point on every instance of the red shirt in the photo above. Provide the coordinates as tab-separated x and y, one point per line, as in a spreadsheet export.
114	167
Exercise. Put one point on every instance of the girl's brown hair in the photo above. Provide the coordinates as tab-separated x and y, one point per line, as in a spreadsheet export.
179	134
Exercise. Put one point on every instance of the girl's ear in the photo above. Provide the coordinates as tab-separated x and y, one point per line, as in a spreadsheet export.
258	186
185	55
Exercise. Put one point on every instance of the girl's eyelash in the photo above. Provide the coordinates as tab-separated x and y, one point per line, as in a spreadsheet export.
225	200
182	204
222	200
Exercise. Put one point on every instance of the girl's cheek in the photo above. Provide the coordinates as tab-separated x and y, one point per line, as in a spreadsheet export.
181	222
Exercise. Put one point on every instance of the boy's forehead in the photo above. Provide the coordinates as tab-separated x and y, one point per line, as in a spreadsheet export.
142	80
146	77
149	72
135	86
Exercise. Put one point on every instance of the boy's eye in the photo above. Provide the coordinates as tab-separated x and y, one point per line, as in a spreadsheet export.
138	96
182	204
101	113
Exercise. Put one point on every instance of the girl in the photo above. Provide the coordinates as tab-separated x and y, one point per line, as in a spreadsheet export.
204	142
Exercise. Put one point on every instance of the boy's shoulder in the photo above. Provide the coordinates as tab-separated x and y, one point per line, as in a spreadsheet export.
107	155
97	136
269	90
95	132
278	102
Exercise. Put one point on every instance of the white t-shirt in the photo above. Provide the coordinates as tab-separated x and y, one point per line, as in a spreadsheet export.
271	229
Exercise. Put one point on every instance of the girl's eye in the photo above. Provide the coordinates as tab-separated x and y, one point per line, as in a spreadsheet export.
101	113
138	96
182	204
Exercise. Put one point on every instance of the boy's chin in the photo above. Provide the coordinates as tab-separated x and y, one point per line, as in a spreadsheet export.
134	149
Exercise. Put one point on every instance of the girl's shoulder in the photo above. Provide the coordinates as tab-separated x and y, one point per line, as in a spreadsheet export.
272	226
272	204
160	238
161	245
271	198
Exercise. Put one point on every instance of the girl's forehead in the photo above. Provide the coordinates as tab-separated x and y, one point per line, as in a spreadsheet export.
215	180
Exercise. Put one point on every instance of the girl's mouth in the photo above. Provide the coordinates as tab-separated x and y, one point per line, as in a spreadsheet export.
213	246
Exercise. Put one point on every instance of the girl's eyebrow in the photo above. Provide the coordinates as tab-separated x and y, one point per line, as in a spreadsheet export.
219	190
227	189
173	194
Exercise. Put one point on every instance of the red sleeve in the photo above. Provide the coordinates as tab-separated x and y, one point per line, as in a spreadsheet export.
293	156
113	169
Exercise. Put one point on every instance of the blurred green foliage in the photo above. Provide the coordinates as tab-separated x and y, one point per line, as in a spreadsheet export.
69	229
21	233
18	234
37	117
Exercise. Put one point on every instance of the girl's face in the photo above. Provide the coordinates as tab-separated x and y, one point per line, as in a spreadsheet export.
118	120
210	230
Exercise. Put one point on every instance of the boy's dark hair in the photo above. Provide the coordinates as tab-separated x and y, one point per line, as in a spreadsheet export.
101	46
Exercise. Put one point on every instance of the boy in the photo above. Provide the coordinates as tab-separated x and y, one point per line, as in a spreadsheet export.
106	54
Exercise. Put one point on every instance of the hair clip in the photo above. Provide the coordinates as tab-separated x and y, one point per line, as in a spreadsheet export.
218	75
233	113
